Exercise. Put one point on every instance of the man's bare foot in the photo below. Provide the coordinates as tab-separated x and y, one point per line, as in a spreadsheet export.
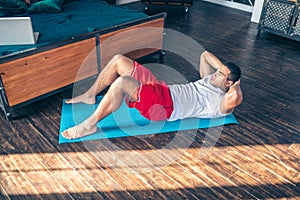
78	132
82	99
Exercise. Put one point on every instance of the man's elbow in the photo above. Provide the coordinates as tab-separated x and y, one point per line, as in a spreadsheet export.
239	97
236	97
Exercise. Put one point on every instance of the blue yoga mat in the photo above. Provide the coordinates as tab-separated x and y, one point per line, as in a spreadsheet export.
128	122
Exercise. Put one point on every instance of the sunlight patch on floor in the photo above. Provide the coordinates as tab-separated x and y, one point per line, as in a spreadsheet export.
80	172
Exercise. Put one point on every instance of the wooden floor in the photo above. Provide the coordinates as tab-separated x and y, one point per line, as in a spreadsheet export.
257	159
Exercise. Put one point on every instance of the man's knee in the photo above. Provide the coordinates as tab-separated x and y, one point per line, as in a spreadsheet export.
117	56
124	64
125	84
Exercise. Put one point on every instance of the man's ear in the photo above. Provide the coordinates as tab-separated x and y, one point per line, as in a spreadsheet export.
229	83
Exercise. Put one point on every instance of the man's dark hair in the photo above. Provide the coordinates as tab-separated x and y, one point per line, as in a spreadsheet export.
235	71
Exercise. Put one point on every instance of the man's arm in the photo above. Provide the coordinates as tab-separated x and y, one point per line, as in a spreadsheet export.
208	63
232	98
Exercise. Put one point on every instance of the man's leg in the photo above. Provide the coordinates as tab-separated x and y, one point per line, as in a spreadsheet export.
119	65
112	100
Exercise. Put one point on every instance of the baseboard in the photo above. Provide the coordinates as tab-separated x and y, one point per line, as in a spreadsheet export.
231	4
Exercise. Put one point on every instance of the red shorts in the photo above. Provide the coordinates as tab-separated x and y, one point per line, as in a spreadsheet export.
154	97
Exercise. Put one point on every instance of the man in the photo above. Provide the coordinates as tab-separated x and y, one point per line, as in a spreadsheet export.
216	94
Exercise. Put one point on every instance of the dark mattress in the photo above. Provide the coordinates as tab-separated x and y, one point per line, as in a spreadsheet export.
77	18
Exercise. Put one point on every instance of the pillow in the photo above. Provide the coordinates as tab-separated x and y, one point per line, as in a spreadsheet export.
12	7
46	6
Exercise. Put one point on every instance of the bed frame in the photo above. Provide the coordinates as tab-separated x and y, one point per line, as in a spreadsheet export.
186	3
28	76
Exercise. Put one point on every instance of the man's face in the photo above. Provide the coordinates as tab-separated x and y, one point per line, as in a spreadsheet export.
219	78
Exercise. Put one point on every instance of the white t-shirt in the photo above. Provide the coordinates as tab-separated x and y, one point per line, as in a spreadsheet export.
196	99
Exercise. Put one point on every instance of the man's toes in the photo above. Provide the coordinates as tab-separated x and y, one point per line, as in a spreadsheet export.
69	101
70	133
64	134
